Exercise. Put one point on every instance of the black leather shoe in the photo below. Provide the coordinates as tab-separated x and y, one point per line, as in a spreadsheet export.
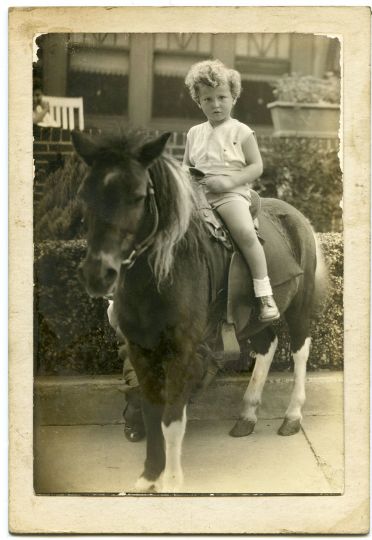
134	428
134	433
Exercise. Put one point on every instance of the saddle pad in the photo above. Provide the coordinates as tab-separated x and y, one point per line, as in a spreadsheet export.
281	263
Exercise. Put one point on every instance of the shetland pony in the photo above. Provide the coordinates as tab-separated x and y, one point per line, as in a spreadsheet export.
148	246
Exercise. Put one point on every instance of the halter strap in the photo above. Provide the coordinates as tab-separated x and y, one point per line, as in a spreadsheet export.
147	242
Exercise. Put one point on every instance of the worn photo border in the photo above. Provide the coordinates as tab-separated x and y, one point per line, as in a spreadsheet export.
348	513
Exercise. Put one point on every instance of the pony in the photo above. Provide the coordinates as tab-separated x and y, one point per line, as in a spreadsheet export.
148	246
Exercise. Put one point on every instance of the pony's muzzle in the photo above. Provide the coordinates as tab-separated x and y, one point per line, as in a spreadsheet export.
97	278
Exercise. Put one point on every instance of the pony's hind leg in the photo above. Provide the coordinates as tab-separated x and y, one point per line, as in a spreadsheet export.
264	344
293	416
299	330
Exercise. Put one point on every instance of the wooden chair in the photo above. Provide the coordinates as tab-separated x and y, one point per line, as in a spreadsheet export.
62	110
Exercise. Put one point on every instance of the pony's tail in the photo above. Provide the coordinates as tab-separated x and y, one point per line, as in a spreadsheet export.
321	289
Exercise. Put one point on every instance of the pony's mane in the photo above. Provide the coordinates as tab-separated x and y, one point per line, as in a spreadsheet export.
179	221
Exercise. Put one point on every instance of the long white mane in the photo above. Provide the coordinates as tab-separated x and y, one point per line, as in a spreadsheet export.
176	204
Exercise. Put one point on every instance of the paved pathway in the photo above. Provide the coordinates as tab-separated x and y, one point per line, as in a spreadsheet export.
98	459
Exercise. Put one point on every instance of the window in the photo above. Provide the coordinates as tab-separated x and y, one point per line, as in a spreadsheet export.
102	93
98	71
173	56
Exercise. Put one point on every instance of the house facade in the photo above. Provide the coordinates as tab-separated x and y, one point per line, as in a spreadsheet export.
137	79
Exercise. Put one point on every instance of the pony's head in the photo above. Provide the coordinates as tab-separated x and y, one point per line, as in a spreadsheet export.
124	172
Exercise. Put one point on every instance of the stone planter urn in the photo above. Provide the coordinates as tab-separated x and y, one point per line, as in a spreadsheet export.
305	119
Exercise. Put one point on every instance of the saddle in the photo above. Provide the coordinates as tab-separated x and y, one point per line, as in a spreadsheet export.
280	257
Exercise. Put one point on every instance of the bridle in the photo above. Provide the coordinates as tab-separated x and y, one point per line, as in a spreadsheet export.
149	240
141	247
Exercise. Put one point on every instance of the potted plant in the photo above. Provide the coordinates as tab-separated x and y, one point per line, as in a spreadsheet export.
306	106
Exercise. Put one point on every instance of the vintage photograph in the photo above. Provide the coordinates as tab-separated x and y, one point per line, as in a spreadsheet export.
189	204
188	250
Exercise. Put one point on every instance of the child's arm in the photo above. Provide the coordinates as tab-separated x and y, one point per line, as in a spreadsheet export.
38	116
247	175
186	163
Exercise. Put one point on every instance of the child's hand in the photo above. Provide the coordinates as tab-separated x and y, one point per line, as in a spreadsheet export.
218	184
45	106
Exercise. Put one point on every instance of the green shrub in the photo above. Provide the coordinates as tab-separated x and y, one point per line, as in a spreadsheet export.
306	174
73	336
71	331
58	215
327	330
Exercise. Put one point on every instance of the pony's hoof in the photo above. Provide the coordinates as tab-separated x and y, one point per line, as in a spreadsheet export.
242	428
289	427
172	484
143	485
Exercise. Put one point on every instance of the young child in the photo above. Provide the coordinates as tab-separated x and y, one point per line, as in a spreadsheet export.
226	151
40	108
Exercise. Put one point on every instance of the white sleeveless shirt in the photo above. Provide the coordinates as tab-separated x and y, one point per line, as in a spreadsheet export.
218	150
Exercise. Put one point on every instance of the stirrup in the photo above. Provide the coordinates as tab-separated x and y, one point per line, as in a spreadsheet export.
230	343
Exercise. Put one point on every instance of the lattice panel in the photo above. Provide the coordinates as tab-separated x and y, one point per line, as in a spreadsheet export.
188	42
108	39
263	45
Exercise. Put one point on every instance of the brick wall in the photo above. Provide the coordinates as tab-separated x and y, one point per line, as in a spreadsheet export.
51	147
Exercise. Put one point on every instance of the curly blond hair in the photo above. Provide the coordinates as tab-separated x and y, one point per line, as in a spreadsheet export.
212	73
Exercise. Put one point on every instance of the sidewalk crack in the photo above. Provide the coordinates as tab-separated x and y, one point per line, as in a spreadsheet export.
327	471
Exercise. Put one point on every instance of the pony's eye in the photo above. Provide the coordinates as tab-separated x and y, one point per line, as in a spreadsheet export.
135	200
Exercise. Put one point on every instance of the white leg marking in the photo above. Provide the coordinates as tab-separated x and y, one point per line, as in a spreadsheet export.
173	435
298	395
143	485
253	394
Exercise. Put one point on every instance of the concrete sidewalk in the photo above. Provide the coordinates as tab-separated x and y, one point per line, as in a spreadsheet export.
80	446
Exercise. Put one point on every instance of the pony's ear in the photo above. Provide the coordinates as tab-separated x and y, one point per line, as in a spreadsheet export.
153	149
84	146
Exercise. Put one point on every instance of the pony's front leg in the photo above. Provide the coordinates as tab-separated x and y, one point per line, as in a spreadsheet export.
173	427
181	375
151	380
150	479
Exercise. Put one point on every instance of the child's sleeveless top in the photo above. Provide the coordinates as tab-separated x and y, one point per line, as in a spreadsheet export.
218	150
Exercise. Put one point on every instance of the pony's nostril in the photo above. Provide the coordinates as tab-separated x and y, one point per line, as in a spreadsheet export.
110	275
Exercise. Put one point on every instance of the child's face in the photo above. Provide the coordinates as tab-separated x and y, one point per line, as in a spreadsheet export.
216	103
37	97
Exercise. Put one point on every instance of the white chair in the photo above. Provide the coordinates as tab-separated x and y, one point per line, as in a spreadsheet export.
62	110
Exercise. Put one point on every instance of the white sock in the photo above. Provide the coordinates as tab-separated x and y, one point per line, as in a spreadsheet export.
262	287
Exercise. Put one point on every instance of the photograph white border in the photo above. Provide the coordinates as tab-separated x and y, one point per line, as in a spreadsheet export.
348	513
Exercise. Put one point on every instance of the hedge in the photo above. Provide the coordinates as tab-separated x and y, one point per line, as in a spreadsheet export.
72	334
307	174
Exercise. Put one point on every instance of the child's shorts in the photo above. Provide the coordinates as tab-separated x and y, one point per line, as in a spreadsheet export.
219	199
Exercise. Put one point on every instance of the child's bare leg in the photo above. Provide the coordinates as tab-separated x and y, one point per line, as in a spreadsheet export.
238	219
237	216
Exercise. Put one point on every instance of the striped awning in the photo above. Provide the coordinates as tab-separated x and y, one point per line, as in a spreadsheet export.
173	65
109	62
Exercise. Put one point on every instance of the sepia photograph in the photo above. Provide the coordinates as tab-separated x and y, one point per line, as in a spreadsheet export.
189	334
188	246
